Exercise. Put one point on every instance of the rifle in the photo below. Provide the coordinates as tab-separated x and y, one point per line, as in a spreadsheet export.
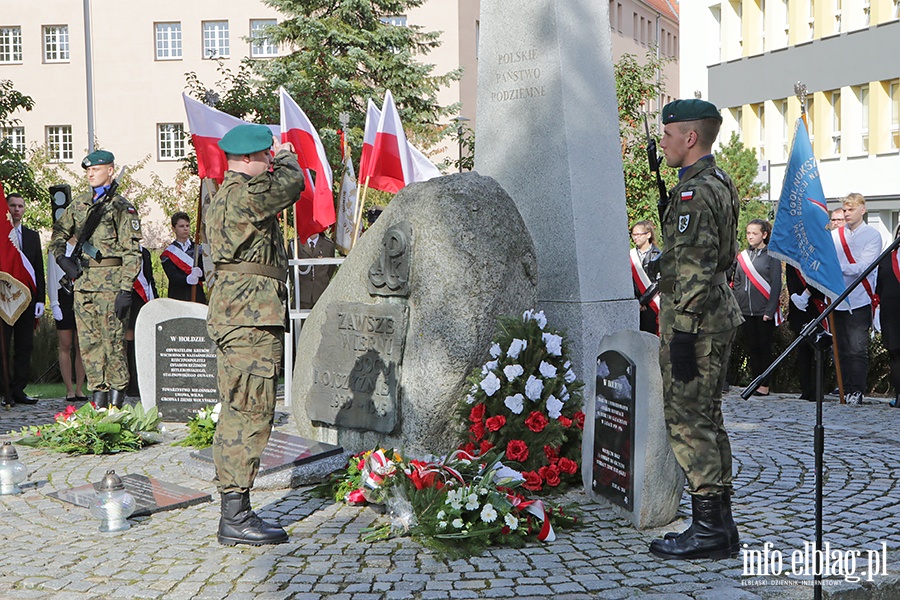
654	161
72	265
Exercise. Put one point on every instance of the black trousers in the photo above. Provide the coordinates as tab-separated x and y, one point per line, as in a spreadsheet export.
758	336
852	336
18	355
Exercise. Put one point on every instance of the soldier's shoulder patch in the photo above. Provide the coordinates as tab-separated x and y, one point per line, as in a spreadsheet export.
135	224
683	222
131	210
687	195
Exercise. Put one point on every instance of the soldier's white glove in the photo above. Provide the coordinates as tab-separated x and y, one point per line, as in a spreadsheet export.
194	277
801	301
38	310
57	312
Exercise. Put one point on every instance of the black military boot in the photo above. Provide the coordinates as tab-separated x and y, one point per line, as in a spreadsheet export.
117	398
727	519
240	525
100	398
707	537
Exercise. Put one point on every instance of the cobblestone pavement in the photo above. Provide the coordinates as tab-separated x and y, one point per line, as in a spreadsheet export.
51	549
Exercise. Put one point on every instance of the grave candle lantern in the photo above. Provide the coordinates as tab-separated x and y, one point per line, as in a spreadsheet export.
112	504
12	472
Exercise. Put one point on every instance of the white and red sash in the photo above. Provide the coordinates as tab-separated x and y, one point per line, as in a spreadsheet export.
179	258
142	286
758	282
641	279
872	296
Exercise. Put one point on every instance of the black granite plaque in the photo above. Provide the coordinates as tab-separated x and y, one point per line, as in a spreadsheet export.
283	452
185	368
356	370
614	429
150	495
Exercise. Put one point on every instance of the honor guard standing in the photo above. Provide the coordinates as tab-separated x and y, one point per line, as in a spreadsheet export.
246	320
698	317
103	267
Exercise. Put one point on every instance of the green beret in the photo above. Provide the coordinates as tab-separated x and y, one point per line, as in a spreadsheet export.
246	139
98	157
692	109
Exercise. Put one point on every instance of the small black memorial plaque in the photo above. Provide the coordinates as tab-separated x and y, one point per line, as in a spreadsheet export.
356	371
150	495
614	429
185	368
283	451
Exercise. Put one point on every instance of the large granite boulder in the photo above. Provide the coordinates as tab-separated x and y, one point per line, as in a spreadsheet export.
382	359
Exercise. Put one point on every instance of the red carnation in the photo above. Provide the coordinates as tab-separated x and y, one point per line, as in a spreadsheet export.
469	448
477	430
579	419
485	446
536	421
477	413
565	421
550	475
495	423
532	481
568	466
551	453
517	450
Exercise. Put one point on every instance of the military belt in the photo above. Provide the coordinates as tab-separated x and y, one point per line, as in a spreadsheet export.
104	262
250	268
667	286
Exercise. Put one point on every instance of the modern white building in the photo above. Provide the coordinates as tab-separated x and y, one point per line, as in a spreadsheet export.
746	56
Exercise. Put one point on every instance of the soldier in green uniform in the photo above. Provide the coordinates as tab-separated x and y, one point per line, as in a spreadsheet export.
246	319
102	287
698	317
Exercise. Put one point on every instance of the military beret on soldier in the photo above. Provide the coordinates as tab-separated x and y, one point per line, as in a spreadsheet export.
692	109
246	139
98	157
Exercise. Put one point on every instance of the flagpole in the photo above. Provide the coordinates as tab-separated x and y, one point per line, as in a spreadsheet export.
198	222
357	221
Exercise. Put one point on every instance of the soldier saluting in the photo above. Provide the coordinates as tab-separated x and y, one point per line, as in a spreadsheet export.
247	308
698	317
102	270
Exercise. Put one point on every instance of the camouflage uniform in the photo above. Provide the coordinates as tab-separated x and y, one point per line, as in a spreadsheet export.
101	335
700	234
246	316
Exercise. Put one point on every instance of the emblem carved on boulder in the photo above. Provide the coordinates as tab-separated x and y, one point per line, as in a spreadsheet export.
389	274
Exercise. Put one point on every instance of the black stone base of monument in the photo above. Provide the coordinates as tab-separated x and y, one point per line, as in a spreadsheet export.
288	461
150	495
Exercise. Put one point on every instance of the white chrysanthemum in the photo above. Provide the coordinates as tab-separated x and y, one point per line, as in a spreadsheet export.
512	371
458	523
488	514
454	499
495	350
538	316
442	525
533	388
515	404
441	514
547	370
515	347
570	376
511	521
490	384
554	407
472	502
568	364
470	399
553	343
490	366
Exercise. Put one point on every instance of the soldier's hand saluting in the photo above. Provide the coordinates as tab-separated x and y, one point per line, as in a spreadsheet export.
278	146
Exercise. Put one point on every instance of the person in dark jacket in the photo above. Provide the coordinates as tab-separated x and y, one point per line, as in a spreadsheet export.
887	288
185	277
645	274
757	288
806	304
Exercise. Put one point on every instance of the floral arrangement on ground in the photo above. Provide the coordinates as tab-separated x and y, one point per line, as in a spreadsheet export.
526	402
202	427
92	430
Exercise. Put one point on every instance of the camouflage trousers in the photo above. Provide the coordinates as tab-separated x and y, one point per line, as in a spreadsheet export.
693	413
247	374
101	337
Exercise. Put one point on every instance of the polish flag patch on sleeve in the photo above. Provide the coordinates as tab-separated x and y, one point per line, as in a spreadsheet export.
685	196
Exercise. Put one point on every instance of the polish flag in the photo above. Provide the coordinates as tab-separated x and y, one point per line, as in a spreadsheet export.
208	126
388	160
17	282
315	209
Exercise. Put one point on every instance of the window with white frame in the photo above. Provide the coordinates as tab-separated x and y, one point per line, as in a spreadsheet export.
261	45
59	143
716	12
894	91
782	106
864	118
10	44
762	23
787	22
837	15
739	12
867	13
812	19
761	145
170	141
15	136
168	41
835	99
215	40
395	20
56	43
897	9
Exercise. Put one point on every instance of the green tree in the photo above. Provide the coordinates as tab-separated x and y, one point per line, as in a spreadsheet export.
742	165
14	172
344	53
636	85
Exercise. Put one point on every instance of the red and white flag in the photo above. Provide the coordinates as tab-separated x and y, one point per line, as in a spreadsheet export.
17	282
315	209
389	161
346	217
